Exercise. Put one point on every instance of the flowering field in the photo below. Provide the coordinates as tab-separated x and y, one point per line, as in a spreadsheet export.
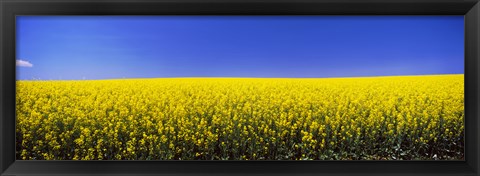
376	118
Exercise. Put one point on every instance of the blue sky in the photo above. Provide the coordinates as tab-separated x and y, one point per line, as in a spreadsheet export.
107	47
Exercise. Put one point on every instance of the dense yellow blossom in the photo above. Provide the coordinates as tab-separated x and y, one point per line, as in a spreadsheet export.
398	117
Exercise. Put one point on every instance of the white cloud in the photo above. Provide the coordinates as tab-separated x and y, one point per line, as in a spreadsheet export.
22	63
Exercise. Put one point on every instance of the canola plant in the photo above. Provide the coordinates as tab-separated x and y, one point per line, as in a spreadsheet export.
370	118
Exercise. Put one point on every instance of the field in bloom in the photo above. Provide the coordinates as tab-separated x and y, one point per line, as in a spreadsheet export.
371	118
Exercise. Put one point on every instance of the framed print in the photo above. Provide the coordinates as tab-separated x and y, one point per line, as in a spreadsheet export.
251	87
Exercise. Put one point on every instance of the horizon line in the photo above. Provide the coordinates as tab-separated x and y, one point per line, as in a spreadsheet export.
192	77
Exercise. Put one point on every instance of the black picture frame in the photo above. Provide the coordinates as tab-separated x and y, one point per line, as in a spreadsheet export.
9	9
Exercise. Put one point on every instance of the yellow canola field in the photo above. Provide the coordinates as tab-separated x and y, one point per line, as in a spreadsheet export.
371	118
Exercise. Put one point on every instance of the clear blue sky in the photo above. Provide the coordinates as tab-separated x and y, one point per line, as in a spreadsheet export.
105	47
